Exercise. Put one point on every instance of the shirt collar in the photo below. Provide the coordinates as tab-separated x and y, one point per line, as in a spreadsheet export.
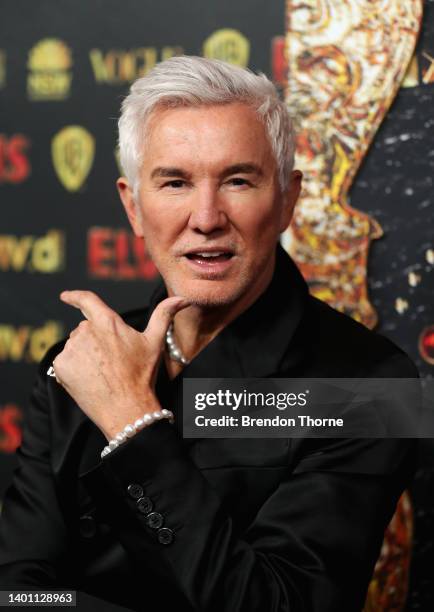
258	342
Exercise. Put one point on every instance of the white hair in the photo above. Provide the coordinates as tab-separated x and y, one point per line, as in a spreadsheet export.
196	81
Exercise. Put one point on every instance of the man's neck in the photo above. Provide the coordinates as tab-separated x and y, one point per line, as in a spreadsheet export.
196	326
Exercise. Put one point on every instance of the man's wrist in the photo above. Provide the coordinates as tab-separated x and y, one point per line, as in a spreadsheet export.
132	428
129	414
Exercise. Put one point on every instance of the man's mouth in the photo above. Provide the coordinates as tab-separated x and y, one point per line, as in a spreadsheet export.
209	257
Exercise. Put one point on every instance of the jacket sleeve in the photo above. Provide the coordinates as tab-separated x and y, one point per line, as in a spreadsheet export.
33	535
311	547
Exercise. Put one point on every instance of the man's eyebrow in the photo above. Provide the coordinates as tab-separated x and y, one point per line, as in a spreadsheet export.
162	172
244	168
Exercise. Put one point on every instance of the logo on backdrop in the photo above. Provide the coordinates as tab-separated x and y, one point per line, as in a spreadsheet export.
26	342
49	66
119	66
72	152
10	429
14	163
228	45
2	68
44	254
116	253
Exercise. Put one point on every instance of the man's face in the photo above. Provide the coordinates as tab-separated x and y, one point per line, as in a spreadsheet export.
209	206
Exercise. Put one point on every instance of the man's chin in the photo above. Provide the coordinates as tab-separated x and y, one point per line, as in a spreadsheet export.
207	300
214	295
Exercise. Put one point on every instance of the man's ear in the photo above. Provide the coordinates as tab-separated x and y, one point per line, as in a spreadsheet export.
290	198
130	205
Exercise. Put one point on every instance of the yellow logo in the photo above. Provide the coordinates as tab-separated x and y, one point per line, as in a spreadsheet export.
28	343
72	151
2	68
228	45
44	254
49	77
119	66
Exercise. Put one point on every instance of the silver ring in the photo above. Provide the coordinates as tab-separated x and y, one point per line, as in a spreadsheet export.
51	372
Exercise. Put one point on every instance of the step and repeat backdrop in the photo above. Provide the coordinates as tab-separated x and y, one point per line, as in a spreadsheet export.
359	79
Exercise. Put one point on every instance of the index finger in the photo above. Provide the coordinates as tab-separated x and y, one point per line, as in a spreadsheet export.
92	306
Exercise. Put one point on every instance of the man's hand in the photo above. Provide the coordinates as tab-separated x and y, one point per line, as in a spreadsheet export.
110	368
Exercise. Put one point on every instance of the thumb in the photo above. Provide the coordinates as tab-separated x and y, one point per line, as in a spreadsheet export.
161	318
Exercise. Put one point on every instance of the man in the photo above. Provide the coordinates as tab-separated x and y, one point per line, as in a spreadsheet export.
158	520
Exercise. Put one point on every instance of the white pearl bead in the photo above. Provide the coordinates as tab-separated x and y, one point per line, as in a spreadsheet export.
147	418
120	437
129	430
113	444
157	415
139	424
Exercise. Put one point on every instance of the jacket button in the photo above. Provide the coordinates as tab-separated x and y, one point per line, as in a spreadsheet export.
154	520
165	535
135	491
87	526
144	505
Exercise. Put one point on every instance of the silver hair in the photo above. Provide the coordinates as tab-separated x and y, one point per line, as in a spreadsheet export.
196	81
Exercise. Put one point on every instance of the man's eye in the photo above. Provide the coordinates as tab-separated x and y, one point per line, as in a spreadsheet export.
176	184
238	181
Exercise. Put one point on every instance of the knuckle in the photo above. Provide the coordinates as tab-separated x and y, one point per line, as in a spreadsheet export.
166	310
80	328
112	319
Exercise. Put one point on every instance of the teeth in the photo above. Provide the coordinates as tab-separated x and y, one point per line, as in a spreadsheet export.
210	254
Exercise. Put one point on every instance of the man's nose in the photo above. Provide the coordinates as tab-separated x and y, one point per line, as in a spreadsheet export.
207	212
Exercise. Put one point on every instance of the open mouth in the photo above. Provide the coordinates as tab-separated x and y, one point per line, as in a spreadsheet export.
211	257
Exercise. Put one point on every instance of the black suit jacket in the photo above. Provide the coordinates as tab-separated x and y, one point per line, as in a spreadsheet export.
258	525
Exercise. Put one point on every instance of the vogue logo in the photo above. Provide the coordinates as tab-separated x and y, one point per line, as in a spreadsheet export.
121	66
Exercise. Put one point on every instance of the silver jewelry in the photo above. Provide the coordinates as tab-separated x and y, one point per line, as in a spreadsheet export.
51	372
175	352
130	430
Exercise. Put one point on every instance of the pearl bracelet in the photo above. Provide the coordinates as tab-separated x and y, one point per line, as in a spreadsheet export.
129	430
